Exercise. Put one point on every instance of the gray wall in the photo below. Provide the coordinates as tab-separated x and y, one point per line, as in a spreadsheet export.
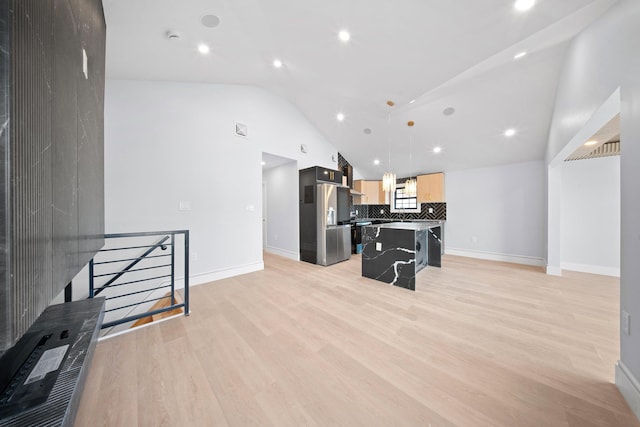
52	150
497	212
601	59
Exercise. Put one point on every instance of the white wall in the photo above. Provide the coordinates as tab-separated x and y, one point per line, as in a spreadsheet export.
601	59
497	213
282	210
168	142
590	238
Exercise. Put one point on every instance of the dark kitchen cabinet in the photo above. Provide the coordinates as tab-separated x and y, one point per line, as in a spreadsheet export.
328	175
348	172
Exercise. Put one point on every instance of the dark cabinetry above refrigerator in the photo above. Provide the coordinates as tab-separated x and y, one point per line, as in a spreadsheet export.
326	175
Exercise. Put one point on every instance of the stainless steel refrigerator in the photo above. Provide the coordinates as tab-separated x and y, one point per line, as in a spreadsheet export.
325	237
334	240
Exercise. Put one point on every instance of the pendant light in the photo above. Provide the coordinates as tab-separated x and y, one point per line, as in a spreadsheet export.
389	178
410	185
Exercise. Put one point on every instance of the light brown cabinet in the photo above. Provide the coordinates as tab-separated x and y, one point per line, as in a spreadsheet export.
372	190
431	188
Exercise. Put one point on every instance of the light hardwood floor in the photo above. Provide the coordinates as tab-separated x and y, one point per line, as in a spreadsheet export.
479	343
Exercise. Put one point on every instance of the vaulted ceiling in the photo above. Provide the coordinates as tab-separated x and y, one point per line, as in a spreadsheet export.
439	54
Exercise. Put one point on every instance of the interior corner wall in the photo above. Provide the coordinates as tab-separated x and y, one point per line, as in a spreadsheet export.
600	59
167	142
282	213
590	232
497	212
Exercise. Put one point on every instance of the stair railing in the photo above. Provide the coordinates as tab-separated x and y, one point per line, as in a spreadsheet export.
130	282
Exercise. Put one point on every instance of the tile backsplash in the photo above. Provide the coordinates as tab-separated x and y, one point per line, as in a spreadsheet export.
383	212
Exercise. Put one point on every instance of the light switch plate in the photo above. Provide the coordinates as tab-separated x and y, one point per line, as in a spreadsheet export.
378	246
184	206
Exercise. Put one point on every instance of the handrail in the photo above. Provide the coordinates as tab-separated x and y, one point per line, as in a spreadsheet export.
148	282
128	267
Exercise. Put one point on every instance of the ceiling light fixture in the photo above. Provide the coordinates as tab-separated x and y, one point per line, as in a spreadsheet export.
344	35
410	185
264	163
412	101
523	5
203	48
277	63
437	149
448	111
389	178
340	117
590	143
376	162
509	132
520	55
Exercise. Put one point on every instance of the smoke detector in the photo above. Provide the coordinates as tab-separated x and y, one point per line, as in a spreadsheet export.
173	35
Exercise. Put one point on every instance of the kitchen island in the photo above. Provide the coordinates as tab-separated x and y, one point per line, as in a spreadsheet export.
395	252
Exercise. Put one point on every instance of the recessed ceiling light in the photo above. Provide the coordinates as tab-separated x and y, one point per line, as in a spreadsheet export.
203	48
210	21
509	132
412	101
376	162
448	111
367	131
437	149
524	5
589	143
340	117
344	35
520	55
277	63
264	163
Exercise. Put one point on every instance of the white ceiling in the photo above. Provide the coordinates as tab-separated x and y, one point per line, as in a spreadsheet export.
440	53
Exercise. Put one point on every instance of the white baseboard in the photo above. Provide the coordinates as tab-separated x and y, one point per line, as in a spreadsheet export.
593	269
515	259
629	387
225	273
554	271
283	252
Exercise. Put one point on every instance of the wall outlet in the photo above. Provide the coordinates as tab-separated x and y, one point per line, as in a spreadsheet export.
430	210
378	246
184	205
194	256
474	239
626	323
275	237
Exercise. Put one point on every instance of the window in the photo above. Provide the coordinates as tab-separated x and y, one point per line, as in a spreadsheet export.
401	202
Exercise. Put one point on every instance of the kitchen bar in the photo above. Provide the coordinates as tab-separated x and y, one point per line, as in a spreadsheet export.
395	252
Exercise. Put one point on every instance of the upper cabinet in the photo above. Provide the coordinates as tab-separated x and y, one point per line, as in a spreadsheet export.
431	188
372	190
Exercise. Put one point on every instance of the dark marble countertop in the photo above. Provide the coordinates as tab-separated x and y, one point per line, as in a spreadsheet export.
413	225
385	220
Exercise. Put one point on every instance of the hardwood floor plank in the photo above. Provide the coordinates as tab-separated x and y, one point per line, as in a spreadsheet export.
479	343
